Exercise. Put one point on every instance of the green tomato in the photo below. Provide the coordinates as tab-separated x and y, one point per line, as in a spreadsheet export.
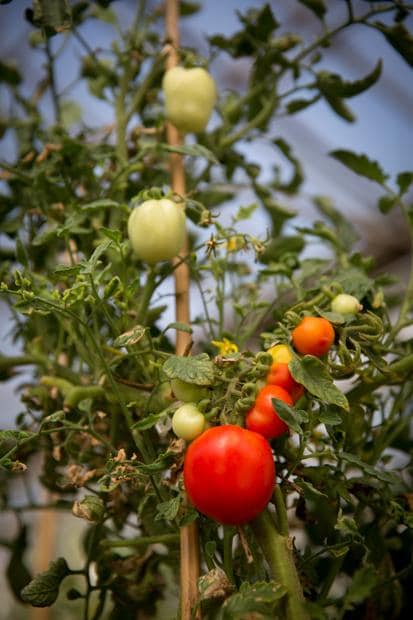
156	229
188	422
188	392
346	304
190	96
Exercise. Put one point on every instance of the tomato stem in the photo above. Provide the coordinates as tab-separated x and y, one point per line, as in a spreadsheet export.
277	549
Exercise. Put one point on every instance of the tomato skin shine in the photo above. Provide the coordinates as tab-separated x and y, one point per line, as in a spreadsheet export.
229	474
157	229
262	418
190	96
313	336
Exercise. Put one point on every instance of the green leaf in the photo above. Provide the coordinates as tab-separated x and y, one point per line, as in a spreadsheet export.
245	213
314	376
261	597
343	227
330	416
387	203
296	105
52	15
88	267
353	281
193	150
168	511
361	586
43	590
404	180
292	417
309	490
197	369
148	421
132	336
340	108
360	164
297	176
400	39
104	203
318	7
9	74
113	235
384	476
180	327
71	113
187	8
11	438
332	85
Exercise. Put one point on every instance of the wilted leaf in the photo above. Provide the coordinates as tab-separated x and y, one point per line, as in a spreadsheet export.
132	336
332	85
260	597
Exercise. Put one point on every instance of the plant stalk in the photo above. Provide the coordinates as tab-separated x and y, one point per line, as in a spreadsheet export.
277	549
189	547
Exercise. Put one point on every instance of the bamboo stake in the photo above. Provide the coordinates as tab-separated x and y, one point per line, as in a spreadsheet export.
189	542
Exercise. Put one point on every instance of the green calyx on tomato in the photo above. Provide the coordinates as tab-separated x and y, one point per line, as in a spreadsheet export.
346	304
188	392
263	417
190	96
313	336
188	422
229	474
157	229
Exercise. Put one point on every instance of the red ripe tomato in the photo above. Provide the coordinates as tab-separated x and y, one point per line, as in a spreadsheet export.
313	336
263	418
229	474
279	374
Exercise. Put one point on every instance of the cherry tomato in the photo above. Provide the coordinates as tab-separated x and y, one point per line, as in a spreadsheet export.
187	392
263	418
281	353
190	96
346	304
313	336
229	474
188	422
156	229
279	374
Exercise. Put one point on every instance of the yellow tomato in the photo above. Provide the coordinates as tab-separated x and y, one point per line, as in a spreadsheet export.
281	353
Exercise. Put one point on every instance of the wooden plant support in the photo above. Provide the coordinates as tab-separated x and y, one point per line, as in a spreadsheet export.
189	542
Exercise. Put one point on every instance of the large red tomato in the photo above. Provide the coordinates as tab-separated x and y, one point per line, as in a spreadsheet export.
263	418
229	474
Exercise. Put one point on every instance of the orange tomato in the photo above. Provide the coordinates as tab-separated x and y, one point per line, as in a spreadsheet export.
313	336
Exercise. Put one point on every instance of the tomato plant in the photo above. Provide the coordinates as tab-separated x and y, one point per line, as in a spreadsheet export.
188	422
263	417
229	474
313	336
108	333
190	96
156	229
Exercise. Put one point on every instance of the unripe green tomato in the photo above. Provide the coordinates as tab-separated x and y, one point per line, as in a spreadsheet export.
346	304
156	229
188	422
190	96
188	392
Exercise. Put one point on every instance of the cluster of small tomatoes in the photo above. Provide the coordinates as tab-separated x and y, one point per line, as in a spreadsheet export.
229	472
